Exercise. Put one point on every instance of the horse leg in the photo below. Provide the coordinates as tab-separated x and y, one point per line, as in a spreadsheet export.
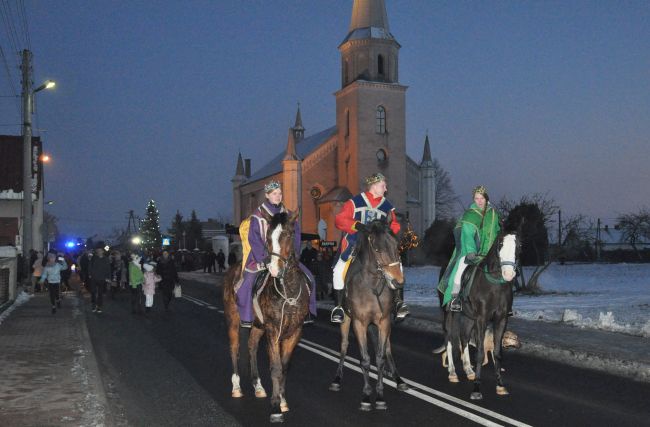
480	354
466	330
452	331
383	330
401	385
253	345
345	335
287	347
499	330
275	363
232	323
361	330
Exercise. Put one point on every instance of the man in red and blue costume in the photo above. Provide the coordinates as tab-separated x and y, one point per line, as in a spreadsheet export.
356	213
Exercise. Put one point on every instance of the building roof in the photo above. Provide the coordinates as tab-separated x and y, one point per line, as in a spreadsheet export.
11	153
303	149
369	21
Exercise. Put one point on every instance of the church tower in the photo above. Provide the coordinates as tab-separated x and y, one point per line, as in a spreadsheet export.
292	175
370	106
427	188
237	181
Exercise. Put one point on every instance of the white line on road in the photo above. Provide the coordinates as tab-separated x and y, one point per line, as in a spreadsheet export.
334	356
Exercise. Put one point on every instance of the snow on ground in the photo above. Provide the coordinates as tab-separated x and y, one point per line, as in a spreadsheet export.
612	297
22	298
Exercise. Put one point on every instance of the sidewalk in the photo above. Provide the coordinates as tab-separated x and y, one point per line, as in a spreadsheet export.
49	374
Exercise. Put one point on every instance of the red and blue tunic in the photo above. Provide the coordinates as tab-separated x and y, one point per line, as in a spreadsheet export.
362	208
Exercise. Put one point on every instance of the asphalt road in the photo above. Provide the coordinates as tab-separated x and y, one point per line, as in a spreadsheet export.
172	369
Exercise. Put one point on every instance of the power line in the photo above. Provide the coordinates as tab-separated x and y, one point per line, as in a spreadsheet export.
23	13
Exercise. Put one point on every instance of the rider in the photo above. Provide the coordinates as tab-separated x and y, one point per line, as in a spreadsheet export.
474	234
355	214
258	257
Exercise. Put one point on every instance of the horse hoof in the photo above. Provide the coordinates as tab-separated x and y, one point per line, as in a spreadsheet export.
365	406
260	394
402	386
471	377
277	418
284	407
381	405
453	378
476	395
502	391
335	387
237	394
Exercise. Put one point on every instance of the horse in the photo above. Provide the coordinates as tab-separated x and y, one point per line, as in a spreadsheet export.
489	299
283	303
369	287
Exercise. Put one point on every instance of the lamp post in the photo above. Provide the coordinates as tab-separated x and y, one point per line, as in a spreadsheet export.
27	98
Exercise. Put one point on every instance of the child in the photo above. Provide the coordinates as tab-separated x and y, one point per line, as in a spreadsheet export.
52	273
135	280
149	286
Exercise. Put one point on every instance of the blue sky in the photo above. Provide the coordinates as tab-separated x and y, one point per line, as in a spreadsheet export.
155	99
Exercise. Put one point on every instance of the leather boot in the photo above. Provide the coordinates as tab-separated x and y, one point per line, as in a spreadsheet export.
338	314
401	309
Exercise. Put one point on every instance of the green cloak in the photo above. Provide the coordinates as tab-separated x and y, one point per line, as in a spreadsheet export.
473	234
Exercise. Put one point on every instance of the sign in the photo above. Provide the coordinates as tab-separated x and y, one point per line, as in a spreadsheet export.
327	244
166	241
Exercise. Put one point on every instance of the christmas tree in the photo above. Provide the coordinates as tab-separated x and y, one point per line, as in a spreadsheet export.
150	228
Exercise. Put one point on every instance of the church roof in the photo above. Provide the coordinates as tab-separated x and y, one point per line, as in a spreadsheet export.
303	149
369	21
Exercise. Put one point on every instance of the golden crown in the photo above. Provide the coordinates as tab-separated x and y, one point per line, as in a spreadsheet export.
480	190
374	178
271	185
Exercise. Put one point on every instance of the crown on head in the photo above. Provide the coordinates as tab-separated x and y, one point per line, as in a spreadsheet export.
271	185
374	178
480	190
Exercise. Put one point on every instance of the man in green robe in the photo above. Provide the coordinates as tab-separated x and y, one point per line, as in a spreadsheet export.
474	234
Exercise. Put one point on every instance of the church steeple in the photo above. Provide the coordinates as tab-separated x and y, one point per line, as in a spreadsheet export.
298	129
369	51
291	147
426	155
239	171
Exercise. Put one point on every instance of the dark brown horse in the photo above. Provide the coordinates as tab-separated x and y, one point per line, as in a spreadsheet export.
283	302
369	286
489	299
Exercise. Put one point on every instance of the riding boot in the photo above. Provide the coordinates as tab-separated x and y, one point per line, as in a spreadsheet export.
401	309
338	314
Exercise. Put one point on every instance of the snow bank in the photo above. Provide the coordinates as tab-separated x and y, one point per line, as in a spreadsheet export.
21	299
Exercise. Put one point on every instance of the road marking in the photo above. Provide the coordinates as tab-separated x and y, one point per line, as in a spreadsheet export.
334	356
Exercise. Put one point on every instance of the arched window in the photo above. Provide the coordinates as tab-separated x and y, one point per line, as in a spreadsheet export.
380	65
381	120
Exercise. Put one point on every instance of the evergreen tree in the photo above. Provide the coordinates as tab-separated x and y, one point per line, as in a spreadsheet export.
150	228
176	230
194	238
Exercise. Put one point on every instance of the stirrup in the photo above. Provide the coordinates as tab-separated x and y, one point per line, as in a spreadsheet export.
337	314
243	324
402	311
455	305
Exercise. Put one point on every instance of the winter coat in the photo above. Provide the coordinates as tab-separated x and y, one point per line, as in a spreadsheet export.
38	267
52	273
135	275
166	269
474	234
150	280
99	269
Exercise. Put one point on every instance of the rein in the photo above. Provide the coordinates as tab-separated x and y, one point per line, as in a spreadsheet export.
291	301
381	274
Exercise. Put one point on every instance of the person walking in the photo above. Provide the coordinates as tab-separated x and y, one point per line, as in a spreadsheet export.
232	258
166	269
221	260
149	286
37	271
52	273
136	279
99	273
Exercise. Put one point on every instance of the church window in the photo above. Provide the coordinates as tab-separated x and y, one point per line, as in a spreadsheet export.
380	65
381	120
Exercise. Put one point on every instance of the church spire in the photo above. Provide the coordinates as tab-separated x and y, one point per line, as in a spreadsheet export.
240	166
291	147
426	155
369	13
298	129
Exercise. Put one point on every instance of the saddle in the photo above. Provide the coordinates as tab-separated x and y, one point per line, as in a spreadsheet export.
466	281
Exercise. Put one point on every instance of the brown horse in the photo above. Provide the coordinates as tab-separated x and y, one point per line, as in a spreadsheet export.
369	285
283	302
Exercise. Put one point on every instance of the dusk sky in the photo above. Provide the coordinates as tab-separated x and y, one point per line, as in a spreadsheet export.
155	99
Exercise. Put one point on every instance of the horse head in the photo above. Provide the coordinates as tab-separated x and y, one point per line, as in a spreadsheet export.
509	248
383	246
280	238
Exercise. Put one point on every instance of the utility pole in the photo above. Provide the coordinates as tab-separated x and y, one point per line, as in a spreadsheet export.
26	69
598	240
559	228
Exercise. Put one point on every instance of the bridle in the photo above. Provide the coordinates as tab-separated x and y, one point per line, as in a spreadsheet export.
381	268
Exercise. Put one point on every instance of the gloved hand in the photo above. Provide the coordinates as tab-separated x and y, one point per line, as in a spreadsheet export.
262	265
473	259
359	226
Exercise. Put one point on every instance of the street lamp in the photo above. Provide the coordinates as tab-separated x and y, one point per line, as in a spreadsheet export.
28	100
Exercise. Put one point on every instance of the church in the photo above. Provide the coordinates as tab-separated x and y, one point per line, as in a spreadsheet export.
322	171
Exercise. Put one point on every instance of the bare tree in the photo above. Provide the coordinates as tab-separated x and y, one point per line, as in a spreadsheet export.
445	196
634	226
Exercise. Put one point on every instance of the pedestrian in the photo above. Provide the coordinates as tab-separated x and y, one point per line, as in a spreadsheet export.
323	270
65	274
37	271
308	257
166	269
221	260
136	278
149	286
475	232
99	273
84	263
356	213
52	273
232	257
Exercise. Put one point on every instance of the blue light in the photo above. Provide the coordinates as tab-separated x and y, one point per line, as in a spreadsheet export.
69	244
